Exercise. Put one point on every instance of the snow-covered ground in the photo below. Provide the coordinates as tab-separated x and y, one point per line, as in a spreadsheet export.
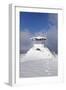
38	68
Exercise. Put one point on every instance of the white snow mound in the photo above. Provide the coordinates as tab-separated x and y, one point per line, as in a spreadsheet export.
37	53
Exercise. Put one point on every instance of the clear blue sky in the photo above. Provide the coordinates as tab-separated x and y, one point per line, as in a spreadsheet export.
40	22
33	21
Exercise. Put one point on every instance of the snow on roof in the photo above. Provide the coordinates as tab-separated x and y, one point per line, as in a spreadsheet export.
39	38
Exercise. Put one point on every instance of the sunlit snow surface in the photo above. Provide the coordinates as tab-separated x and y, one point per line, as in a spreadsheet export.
38	68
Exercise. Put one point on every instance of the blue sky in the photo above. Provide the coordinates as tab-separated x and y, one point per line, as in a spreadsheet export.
32	24
34	21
